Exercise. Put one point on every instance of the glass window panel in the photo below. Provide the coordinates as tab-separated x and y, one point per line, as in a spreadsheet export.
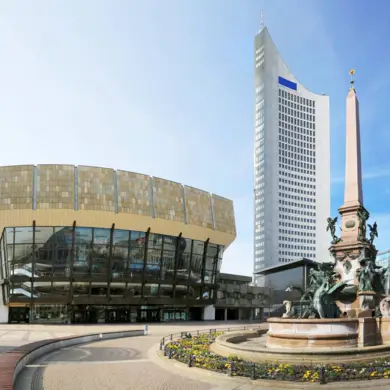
137	252
198	247
181	292
99	289
23	235
80	289
185	245
62	261
133	290
83	249
137	239
9	233
166	290
119	260
83	235
153	263
100	259
20	290
136	260
44	260
50	314
212	250
43	234
117	290
155	241
170	243
42	289
22	259
101	236
168	265
62	236
121	237
196	268
151	290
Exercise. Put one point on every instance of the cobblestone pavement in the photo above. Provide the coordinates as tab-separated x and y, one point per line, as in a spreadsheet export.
133	363
121	364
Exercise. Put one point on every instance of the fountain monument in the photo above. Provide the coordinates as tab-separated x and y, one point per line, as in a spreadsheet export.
346	313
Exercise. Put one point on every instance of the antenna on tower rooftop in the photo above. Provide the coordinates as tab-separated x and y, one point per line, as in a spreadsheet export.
261	20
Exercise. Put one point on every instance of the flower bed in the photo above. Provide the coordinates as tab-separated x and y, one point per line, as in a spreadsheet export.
195	351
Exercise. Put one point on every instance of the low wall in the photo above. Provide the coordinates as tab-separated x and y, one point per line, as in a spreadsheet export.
13	362
312	333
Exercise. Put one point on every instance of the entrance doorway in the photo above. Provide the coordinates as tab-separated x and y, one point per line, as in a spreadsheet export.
19	315
117	315
84	315
148	315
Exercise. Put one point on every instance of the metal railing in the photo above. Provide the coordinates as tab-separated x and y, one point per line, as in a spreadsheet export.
232	366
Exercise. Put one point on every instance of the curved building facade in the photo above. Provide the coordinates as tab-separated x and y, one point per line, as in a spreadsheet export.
291	165
92	245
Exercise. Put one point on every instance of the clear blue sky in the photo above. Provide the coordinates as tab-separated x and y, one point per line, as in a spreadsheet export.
165	87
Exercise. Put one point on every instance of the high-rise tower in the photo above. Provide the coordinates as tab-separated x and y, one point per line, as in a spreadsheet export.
291	165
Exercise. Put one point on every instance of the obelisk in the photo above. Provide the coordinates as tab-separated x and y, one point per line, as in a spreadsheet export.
353	245
353	208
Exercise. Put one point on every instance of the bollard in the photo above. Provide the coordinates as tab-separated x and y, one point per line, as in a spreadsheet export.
190	361
253	373
161	345
197	332
145	330
171	336
322	376
165	351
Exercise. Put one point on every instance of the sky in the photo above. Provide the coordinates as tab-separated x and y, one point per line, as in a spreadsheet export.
165	88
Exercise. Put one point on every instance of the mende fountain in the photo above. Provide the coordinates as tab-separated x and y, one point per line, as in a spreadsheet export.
344	314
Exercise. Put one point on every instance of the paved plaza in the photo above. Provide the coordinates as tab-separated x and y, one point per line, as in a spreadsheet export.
124	364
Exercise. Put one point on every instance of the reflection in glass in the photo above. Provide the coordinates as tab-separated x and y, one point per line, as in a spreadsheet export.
137	253
42	234
50	314
121	238
23	235
49	262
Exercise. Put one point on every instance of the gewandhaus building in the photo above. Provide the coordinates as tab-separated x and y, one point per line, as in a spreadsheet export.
93	245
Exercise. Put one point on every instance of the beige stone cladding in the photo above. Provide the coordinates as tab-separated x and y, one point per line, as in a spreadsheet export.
96	189
55	187
16	187
134	193
223	214
168	200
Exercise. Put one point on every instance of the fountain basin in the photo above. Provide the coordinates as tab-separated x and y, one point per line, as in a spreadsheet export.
291	333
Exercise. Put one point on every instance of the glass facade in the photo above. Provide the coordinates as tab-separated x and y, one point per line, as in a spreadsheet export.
84	274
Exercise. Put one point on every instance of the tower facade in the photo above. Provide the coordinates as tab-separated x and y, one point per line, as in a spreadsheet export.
291	165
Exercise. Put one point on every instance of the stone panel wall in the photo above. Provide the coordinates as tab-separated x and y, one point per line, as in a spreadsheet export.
223	214
134	195
198	207
168	200
96	190
55	187
16	187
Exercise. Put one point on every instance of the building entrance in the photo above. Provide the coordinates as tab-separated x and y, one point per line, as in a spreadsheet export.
117	315
146	314
84	315
19	315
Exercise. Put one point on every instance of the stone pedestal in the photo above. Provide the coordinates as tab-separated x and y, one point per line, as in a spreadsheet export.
366	303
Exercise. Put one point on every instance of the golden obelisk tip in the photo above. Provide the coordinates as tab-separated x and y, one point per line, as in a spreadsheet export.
352	73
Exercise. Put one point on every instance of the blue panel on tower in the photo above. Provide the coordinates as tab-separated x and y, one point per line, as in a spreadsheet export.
287	83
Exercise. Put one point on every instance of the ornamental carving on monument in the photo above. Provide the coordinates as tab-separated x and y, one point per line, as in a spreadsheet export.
384	307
